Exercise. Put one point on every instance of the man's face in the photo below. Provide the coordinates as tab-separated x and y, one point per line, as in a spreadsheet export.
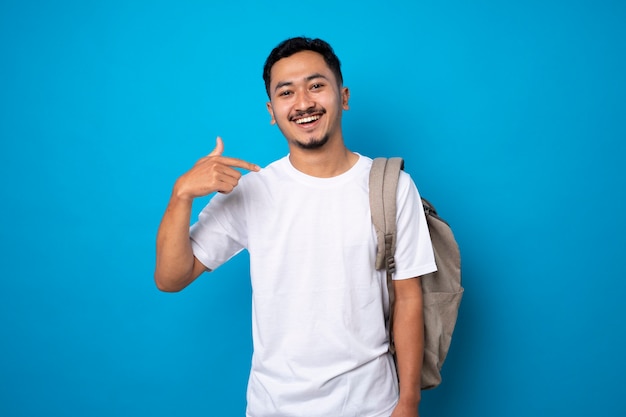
306	101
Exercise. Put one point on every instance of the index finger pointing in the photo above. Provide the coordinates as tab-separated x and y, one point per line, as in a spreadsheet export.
240	163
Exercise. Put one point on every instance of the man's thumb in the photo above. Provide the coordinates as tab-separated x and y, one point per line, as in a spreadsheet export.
219	147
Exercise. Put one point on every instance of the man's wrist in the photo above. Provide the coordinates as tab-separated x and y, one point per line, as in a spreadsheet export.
410	399
179	194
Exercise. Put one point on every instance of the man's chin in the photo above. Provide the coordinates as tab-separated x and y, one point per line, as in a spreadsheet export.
312	143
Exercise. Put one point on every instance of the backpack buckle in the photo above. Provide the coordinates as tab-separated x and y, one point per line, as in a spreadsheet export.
391	264
389	249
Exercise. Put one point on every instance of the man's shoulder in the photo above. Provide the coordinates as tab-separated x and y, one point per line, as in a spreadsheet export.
273	170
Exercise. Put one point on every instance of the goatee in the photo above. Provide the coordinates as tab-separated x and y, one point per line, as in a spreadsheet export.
313	143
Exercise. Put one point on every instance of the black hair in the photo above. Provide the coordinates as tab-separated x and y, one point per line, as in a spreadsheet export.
292	46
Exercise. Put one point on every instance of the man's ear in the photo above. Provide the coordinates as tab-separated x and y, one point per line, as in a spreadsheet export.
345	97
271	112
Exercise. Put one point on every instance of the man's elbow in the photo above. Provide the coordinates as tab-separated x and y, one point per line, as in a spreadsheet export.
175	277
167	284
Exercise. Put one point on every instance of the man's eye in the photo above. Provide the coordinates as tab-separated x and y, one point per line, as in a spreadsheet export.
317	86
285	93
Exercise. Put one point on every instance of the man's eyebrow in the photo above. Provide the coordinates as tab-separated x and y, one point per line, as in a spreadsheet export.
290	83
316	75
282	84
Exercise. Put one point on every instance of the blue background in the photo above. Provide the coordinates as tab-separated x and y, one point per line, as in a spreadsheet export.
511	118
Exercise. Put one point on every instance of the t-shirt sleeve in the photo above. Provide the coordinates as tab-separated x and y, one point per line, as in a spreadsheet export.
414	254
219	233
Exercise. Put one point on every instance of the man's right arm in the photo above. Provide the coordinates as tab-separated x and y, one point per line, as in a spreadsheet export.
176	266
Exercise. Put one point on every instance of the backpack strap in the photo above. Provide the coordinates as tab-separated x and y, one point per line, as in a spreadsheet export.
383	183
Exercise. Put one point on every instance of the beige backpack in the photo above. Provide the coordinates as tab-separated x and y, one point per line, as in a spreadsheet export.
442	289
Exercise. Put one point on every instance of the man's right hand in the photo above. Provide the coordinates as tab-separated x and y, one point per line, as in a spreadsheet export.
212	173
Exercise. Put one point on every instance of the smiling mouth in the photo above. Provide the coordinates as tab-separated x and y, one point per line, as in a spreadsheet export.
309	119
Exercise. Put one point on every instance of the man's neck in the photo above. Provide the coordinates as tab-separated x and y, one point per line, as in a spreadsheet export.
326	162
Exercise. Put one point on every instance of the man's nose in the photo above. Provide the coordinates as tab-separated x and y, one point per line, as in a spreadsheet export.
304	101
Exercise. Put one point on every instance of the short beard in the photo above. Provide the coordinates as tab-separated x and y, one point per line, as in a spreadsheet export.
313	143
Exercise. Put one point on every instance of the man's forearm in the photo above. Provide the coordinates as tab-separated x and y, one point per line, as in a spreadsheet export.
174	256
408	332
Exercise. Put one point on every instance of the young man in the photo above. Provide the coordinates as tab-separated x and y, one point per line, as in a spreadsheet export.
319	306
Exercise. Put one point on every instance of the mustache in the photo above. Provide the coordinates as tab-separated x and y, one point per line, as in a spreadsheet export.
308	112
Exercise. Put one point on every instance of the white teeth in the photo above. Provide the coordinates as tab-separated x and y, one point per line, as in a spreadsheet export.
307	120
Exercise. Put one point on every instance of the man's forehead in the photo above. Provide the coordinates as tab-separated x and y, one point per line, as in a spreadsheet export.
301	66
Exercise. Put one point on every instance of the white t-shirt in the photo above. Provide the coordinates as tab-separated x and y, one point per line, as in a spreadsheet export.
319	306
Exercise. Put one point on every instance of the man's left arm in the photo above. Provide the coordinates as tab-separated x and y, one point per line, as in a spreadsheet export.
408	331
